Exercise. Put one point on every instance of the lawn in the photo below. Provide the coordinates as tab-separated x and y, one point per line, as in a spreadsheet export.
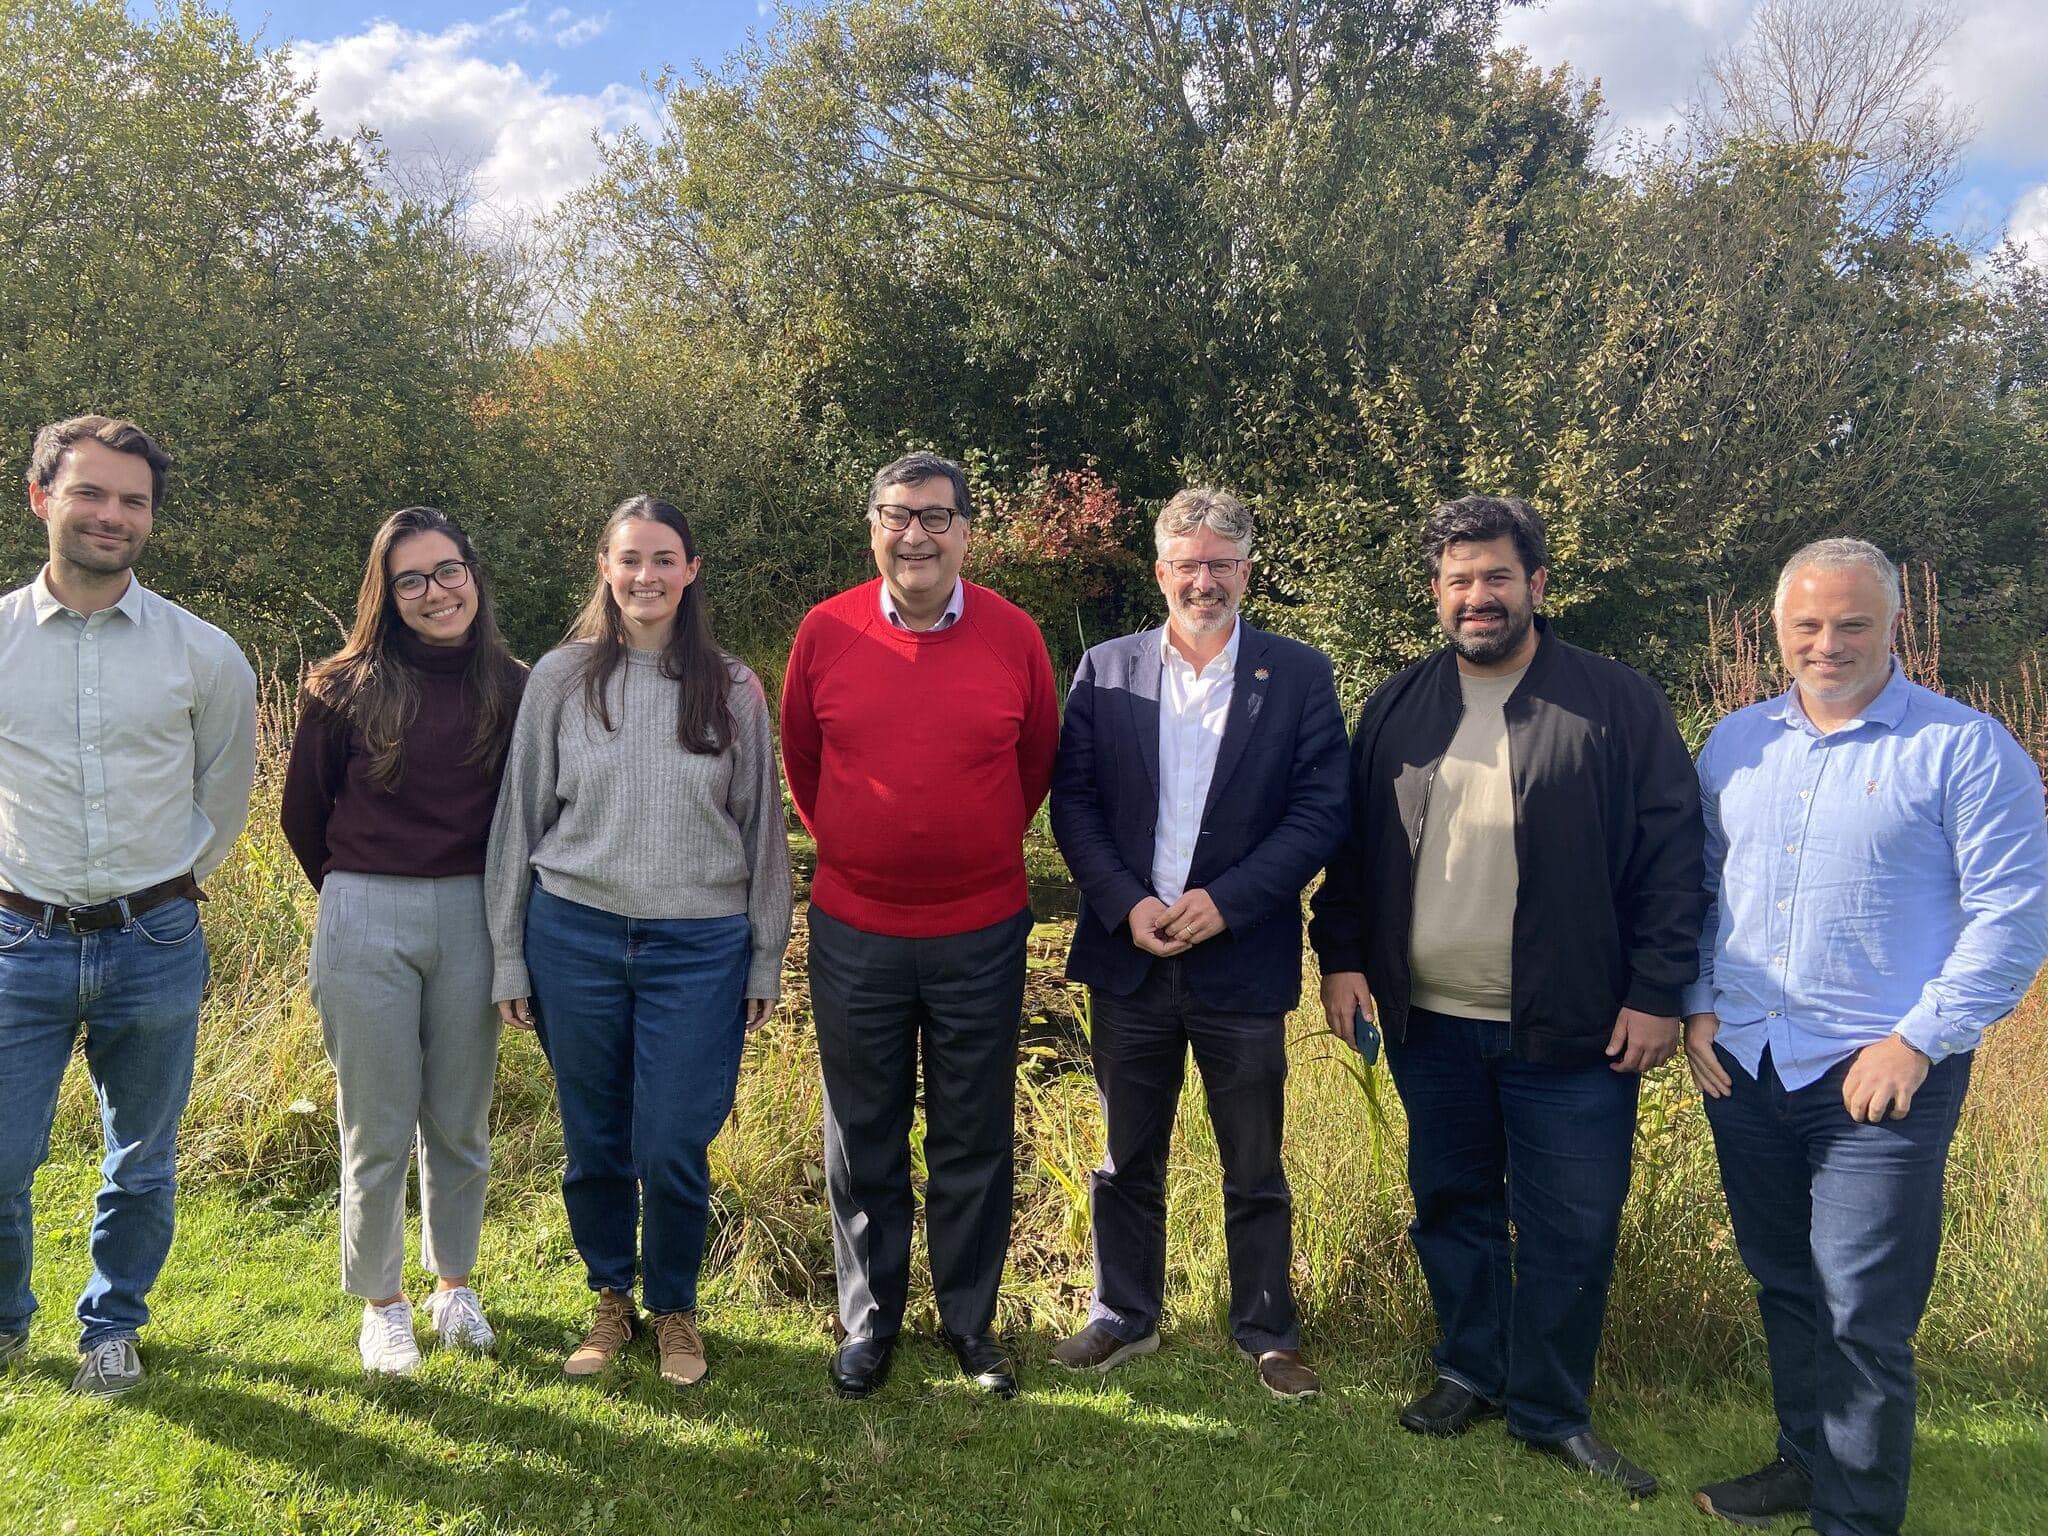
255	1419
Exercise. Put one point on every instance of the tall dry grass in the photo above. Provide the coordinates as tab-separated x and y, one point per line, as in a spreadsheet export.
262	1119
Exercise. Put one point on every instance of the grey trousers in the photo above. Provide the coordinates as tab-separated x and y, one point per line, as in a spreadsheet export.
401	975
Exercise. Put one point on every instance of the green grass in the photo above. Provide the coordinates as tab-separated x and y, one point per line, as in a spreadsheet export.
255	1420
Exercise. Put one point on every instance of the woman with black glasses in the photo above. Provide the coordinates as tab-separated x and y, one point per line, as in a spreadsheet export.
387	804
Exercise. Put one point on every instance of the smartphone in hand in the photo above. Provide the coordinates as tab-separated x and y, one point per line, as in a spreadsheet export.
1365	1036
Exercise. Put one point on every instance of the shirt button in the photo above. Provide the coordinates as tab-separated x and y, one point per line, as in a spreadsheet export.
95	805
1773	1014
1785	903
1791	847
1806	794
90	747
1777	959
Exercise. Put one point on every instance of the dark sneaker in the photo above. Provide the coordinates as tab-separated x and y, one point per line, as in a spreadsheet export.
1095	1348
1285	1374
1760	1498
108	1369
11	1344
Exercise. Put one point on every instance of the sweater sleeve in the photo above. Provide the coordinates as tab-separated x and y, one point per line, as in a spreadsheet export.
757	808
527	807
1039	741
802	742
313	778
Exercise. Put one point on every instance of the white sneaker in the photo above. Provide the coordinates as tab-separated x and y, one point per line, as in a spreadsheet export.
459	1320
385	1340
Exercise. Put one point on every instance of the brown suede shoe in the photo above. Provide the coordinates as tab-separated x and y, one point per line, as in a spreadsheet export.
681	1348
1284	1374
616	1322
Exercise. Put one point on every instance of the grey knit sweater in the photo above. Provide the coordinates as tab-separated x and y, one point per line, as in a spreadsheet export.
629	822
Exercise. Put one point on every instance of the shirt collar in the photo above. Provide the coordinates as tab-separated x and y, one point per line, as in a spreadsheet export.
1887	709
1228	655
955	606
48	605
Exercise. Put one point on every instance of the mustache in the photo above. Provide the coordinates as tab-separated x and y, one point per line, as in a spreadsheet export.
1489	611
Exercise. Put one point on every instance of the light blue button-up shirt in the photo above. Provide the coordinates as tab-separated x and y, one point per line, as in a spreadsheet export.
1888	877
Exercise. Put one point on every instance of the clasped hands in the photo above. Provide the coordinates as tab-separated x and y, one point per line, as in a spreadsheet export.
1167	931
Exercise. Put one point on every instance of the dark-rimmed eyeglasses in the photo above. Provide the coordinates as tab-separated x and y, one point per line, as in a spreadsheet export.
896	517
1220	570
449	574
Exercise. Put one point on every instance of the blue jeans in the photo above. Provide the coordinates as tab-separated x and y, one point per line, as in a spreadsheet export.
136	992
1493	1140
1839	1223
643	1020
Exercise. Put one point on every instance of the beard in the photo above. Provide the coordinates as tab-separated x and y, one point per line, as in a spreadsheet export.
1487	650
77	550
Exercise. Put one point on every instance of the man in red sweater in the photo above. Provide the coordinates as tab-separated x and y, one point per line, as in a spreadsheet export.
919	726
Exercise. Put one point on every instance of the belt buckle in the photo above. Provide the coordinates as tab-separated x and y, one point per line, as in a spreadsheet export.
96	917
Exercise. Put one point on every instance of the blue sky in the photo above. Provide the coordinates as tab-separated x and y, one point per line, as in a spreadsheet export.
508	96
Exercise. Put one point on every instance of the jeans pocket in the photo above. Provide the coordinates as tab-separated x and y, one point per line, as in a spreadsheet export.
15	930
168	926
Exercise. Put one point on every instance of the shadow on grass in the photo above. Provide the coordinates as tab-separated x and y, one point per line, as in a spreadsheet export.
762	1445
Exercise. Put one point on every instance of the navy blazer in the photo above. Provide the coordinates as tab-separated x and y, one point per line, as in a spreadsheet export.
1276	810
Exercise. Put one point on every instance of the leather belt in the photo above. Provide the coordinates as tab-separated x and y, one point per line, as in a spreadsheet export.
102	915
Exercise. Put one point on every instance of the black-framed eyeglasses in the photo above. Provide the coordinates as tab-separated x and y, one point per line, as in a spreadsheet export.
896	517
1221	570
449	574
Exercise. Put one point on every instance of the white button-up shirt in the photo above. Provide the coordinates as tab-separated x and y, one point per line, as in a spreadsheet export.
1193	707
955	606
127	745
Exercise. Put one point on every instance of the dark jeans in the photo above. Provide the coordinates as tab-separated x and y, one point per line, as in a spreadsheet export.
135	990
643	1020
1493	1140
1839	1223
1140	1047
876	1001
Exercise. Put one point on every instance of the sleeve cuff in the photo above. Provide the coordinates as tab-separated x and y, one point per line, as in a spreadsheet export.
1697	998
1934	1038
764	975
1660	1002
509	981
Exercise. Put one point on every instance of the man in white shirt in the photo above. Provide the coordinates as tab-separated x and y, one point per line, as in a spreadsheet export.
1200	783
127	754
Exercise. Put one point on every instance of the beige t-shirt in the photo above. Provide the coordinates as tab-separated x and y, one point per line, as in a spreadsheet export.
1461	941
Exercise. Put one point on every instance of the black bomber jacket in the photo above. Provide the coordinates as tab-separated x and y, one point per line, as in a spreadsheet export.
1608	844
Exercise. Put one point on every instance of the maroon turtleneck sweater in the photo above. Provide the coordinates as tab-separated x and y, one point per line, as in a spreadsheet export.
434	821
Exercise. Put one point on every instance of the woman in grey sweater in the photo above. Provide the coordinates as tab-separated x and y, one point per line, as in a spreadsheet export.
638	889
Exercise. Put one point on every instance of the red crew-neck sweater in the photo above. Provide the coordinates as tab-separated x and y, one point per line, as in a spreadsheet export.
917	759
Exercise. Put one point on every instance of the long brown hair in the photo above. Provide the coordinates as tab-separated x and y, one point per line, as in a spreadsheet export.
701	670
370	683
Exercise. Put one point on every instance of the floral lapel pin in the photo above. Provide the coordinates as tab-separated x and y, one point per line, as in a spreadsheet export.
1260	674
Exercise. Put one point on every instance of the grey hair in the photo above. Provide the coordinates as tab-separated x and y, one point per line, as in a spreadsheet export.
1202	506
1842	555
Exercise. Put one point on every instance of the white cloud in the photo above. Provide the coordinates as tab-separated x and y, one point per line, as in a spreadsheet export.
438	105
1997	64
1646	54
2029	223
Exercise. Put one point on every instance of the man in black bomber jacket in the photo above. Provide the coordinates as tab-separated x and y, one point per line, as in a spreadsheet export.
1520	891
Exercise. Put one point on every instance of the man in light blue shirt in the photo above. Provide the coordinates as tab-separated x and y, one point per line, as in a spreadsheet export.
1877	857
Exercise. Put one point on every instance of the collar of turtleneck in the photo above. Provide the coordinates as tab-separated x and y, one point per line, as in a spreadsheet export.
442	659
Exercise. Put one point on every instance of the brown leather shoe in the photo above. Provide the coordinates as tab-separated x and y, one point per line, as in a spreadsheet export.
611	1330
681	1348
1284	1374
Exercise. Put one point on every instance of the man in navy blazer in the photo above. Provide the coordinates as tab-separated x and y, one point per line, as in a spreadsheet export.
1202	780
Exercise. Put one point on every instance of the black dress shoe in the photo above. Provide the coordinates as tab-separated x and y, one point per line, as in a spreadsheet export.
860	1366
1448	1408
1589	1453
982	1362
